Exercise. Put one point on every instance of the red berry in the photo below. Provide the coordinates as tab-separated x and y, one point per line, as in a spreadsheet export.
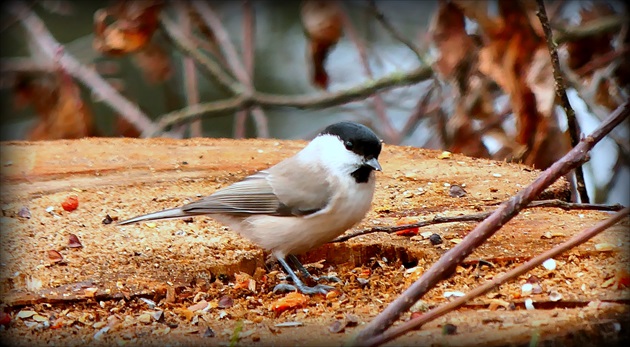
71	203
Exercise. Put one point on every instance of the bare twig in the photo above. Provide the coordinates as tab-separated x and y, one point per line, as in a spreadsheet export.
54	50
248	61
324	100
419	112
601	61
595	27
575	241
213	22
475	217
380	17
561	94
388	131
208	65
574	205
478	217
447	263
190	73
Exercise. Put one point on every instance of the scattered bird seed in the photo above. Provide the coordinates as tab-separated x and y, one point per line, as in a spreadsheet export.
456	191
149	302
289	324
26	314
337	327
24	212
100	333
54	256
435	239
555	296
453	293
209	332
225	301
107	220
362	281
526	289
157	315
529	304
73	241
549	264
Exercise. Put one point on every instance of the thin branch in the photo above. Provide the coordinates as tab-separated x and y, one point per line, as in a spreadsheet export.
575	241
390	134
419	112
601	61
478	217
603	25
208	65
380	17
190	73
55	52
319	101
561	94
484	230
475	217
211	19
567	206
240	120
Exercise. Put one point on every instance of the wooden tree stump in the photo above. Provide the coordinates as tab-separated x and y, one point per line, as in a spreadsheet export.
105	283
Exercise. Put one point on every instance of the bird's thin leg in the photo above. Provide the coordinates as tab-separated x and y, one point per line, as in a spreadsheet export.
297	284
305	272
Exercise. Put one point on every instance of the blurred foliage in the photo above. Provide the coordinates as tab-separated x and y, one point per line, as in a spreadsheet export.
491	92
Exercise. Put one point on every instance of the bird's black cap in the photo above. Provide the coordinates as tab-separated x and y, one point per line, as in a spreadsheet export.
357	138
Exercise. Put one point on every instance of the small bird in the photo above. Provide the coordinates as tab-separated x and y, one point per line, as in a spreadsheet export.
300	203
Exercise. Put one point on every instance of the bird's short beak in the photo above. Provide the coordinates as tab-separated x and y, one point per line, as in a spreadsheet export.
373	163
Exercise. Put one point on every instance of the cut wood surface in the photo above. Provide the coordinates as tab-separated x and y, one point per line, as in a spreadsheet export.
105	283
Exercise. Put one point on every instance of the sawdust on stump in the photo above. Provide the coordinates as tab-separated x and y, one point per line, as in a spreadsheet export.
73	277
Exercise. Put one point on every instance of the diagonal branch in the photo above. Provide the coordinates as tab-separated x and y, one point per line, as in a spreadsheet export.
478	217
54	50
447	263
189	48
575	241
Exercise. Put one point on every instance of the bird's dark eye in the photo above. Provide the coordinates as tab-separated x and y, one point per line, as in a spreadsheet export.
349	145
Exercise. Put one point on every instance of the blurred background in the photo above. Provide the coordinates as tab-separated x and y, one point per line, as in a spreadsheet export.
472	77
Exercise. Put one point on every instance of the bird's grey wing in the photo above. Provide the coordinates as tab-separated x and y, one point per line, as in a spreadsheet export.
280	191
303	188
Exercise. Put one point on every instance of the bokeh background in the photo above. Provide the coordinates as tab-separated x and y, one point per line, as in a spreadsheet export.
489	92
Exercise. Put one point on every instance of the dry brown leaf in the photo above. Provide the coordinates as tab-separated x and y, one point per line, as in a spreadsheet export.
154	62
57	101
322	23
133	26
456	48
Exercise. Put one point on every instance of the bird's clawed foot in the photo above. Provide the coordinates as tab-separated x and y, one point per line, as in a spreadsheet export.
317	289
326	278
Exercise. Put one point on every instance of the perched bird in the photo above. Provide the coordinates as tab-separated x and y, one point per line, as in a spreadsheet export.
300	203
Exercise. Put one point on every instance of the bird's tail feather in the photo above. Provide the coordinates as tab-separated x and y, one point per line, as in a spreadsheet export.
172	213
